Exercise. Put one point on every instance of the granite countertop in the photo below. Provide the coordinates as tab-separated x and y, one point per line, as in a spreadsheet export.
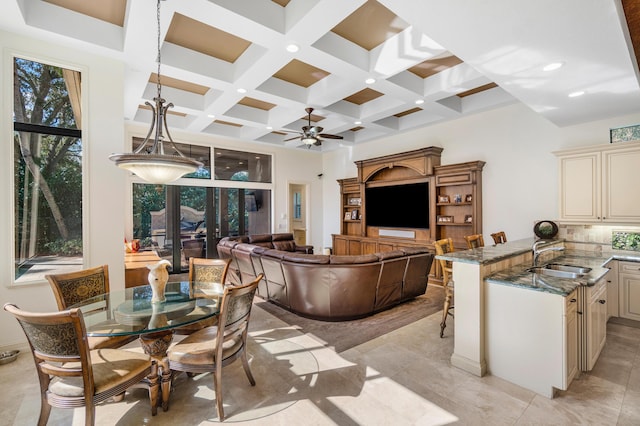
518	276
493	253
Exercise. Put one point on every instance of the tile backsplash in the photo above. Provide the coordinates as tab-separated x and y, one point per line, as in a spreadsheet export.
601	238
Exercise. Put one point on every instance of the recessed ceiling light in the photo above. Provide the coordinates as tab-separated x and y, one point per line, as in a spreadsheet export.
370	80
576	94
357	122
211	116
269	128
241	90
292	47
419	101
553	66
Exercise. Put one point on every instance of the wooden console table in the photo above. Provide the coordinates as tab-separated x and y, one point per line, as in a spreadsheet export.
135	267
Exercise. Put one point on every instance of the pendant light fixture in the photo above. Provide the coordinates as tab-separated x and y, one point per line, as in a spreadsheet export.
151	163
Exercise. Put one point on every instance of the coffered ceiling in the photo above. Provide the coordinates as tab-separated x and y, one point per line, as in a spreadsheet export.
226	67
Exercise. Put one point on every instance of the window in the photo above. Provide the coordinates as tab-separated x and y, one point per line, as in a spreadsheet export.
242	166
47	170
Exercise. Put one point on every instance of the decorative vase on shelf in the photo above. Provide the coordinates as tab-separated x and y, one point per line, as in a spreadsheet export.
158	277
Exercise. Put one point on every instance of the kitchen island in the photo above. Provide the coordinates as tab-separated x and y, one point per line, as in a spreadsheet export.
523	326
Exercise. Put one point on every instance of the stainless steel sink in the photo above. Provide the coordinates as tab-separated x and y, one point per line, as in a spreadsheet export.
543	270
568	268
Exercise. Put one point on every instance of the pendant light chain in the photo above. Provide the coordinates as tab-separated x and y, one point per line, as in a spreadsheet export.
152	164
159	85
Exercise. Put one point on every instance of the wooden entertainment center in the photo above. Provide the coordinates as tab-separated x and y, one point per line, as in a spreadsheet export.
454	202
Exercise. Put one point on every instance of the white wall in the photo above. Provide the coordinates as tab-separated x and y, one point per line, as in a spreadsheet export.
103	133
520	178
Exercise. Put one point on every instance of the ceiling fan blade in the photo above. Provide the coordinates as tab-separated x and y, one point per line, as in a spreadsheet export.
290	139
328	136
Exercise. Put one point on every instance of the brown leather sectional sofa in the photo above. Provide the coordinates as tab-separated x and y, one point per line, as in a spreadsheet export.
330	287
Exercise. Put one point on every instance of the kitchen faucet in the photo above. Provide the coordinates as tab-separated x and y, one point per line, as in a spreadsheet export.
537	252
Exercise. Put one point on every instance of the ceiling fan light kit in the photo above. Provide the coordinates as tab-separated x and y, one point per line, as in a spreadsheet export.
312	135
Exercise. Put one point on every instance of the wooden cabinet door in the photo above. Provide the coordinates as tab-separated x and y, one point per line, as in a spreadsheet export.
629	284
340	245
571	336
355	247
620	196
580	184
596	323
369	247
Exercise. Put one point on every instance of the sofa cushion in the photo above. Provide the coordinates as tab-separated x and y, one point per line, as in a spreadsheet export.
260	238
259	250
409	251
226	242
390	254
246	247
319	259
289	245
348	259
285	236
278	254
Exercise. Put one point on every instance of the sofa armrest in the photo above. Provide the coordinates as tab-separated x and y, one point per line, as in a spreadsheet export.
304	249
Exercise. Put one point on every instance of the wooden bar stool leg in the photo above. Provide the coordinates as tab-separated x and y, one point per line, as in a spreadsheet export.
448	297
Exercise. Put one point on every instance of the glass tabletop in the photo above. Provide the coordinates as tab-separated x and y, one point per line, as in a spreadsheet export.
130	311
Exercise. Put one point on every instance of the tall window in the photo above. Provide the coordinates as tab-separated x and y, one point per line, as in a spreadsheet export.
47	170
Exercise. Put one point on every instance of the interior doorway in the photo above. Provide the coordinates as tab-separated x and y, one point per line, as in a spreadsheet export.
298	212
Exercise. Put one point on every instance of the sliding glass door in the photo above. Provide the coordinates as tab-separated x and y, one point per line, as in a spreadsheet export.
180	222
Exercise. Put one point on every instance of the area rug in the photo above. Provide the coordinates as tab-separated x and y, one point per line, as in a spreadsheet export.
345	335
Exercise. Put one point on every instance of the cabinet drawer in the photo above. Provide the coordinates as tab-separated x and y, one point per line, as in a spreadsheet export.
597	290
629	267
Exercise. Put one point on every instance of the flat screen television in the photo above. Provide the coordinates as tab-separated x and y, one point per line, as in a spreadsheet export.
398	206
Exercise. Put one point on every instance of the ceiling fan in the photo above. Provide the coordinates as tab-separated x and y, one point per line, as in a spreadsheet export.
311	135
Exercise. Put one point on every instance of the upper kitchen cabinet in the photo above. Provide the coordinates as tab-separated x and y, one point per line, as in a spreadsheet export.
599	183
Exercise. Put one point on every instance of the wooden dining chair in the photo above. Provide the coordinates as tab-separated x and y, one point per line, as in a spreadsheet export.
71	374
442	247
499	237
474	241
203	275
212	348
205	271
75	287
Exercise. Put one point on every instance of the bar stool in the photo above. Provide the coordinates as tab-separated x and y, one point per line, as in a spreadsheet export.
474	241
442	247
499	237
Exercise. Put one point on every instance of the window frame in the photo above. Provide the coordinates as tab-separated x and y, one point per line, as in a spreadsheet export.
9	57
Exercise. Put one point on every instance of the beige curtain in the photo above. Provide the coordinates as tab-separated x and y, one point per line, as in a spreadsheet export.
72	81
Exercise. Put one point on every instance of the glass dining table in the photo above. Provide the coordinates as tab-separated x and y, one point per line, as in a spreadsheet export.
130	312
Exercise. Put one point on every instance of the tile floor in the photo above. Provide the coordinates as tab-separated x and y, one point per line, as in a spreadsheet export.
402	378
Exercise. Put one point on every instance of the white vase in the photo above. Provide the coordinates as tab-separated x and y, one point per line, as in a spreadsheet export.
158	277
